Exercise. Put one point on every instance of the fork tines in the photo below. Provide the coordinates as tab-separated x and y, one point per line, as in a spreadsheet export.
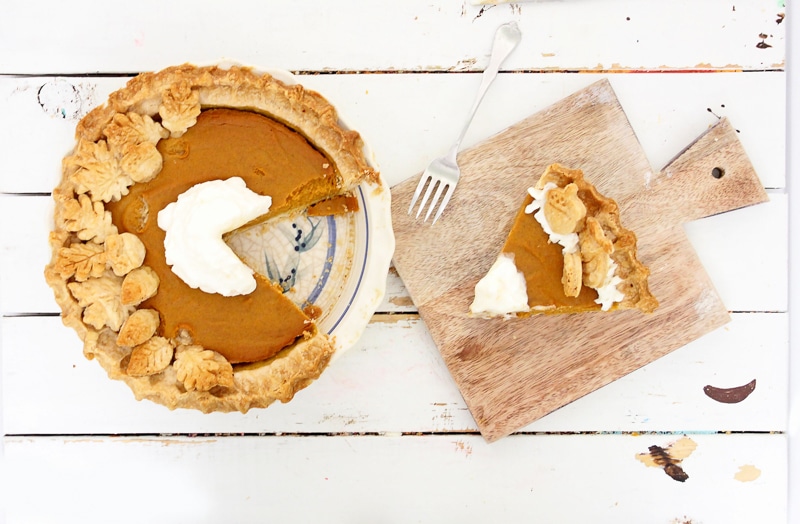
440	186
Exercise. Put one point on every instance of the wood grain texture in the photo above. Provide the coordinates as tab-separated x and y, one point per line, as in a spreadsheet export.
512	372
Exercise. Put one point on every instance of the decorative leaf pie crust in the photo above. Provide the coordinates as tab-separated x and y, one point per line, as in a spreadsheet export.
97	274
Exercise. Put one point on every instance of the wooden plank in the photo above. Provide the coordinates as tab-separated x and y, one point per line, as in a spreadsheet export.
447	478
409	35
24	254
367	389
394	380
667	112
512	372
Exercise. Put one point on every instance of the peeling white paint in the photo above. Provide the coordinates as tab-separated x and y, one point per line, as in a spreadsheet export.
59	98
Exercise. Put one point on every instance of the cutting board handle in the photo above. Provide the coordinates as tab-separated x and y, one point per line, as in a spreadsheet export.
711	176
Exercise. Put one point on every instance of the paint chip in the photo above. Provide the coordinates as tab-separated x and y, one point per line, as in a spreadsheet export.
669	458
730	395
59	98
747	473
464	447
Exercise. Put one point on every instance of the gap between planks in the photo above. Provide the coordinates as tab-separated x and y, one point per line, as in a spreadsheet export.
382	434
451	70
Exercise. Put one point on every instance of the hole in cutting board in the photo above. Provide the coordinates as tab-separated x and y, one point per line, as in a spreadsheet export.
718	172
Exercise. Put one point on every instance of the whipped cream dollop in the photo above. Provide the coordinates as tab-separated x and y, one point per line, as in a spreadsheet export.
195	224
608	294
502	290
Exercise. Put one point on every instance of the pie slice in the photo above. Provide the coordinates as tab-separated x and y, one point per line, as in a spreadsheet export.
161	135
567	252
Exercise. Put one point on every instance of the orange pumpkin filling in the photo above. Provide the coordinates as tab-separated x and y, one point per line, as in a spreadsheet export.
539	259
273	160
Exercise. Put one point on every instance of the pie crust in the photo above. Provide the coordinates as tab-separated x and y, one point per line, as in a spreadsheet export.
97	273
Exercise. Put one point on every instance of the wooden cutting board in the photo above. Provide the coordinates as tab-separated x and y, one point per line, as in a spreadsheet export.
512	372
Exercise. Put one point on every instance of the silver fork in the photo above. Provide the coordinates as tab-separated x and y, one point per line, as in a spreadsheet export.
443	172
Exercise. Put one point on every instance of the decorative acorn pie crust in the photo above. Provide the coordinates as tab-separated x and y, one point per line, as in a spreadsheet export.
97	273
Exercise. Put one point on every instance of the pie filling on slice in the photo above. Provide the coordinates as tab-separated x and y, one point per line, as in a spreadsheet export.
161	135
567	252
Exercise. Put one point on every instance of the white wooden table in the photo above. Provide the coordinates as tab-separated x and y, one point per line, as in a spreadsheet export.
384	435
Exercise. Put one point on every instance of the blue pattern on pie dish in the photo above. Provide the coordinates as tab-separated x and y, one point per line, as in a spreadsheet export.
303	236
318	261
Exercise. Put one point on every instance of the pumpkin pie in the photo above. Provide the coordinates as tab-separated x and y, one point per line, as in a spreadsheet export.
155	139
567	252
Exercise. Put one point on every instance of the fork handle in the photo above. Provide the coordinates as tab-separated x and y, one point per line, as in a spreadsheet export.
505	40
